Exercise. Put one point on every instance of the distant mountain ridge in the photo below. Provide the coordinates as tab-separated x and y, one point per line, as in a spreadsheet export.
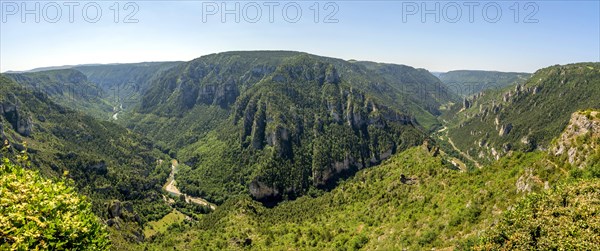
49	68
68	87
468	82
124	81
101	90
64	67
404	91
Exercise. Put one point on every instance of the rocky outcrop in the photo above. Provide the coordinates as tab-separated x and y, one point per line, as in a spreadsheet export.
118	210
348	130
506	147
431	147
261	191
20	121
495	154
258	127
2	135
506	97
518	89
332	76
280	139
579	140
322	175
121	216
24	126
466	104
114	209
213	93
528	181
226	94
505	129
407	180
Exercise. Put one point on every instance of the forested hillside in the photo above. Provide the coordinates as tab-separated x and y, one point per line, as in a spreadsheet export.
124	83
416	200
275	124
69	88
278	150
108	163
524	117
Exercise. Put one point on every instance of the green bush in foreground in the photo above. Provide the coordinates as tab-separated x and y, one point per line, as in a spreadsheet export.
562	219
37	213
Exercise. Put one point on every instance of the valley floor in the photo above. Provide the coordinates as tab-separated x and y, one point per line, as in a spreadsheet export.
172	189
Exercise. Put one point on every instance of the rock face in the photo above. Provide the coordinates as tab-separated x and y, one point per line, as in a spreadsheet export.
24	125
222	94
280	139
527	181
340	132
258	126
466	104
578	141
431	147
118	210
355	118
120	215
505	129
114	209
21	122
332	76
2	136
218	81
260	190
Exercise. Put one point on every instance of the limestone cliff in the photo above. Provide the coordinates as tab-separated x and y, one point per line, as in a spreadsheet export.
580	141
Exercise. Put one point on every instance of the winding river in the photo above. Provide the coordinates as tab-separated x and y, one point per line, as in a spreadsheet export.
171	187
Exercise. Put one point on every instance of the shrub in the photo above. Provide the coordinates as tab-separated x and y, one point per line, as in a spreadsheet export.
562	219
37	213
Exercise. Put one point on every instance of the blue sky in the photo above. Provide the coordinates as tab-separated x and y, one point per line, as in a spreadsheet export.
543	33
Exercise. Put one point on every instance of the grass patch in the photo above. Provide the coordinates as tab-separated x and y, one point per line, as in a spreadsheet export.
160	226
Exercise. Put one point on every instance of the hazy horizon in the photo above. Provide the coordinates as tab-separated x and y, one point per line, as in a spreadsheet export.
437	36
44	68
